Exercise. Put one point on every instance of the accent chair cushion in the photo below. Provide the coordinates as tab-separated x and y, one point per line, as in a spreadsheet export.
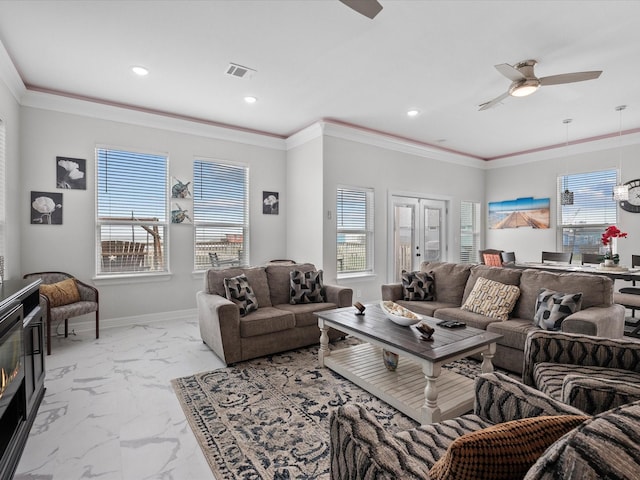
306	287
553	307
492	299
492	259
418	286
238	290
61	293
502	451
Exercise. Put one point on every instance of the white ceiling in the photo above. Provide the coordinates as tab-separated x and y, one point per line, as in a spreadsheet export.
318	59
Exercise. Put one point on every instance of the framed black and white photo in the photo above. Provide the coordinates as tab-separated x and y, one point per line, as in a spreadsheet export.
46	208
71	173
270	203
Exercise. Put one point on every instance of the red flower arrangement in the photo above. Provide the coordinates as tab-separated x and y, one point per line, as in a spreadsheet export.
607	240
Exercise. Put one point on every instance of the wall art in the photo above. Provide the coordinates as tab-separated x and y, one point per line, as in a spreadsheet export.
179	189
46	208
180	212
521	212
270	203
71	173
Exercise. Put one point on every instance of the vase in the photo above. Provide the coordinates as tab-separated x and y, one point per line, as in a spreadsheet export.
390	360
609	263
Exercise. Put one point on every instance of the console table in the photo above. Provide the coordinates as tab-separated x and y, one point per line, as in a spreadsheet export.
22	353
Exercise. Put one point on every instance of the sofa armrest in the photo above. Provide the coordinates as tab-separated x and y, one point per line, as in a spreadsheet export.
219	321
338	295
361	448
500	398
392	292
595	395
575	349
598	321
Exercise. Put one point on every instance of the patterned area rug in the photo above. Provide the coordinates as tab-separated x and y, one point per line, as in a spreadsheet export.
269	418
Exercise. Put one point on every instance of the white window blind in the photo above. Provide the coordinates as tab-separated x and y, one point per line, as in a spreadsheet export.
469	232
354	217
132	220
593	209
3	189
220	214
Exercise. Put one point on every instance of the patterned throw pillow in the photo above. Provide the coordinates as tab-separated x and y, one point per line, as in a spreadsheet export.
503	451
418	286
238	290
492	299
492	259
306	287
61	293
553	307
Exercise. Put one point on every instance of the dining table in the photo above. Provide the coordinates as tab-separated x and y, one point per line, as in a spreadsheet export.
615	273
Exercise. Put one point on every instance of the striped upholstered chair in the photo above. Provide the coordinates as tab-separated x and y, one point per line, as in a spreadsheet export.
593	374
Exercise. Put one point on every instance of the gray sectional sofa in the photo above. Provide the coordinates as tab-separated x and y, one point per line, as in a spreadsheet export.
276	325
598	316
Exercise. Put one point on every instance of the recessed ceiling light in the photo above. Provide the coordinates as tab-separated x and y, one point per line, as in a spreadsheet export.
141	71
250	99
413	113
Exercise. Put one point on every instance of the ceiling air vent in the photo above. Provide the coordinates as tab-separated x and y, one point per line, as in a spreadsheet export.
239	71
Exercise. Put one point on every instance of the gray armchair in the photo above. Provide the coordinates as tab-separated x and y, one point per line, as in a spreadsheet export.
593	374
88	303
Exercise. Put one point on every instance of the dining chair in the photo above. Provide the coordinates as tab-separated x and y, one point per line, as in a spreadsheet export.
508	257
591	258
558	257
491	256
629	297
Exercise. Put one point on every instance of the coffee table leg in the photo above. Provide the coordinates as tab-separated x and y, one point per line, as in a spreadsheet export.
430	410
324	342
487	355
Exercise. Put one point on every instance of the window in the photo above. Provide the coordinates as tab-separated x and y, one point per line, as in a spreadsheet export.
581	224
354	216
3	188
132	212
220	214
469	232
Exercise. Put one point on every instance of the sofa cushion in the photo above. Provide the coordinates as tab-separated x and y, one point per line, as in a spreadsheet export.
238	290
596	289
257	277
306	287
503	451
279	277
604	447
472	319
491	298
553	307
426	308
508	276
514	332
61	293
304	312
266	320
418	286
450	280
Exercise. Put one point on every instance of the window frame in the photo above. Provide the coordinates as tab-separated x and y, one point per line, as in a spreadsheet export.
160	225
225	259
368	231
475	225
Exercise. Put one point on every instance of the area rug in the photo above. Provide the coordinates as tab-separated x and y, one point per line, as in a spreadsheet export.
269	418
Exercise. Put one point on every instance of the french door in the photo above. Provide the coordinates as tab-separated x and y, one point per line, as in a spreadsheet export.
419	233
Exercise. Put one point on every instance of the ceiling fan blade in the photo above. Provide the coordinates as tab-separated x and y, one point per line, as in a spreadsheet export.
570	77
368	8
494	102
510	72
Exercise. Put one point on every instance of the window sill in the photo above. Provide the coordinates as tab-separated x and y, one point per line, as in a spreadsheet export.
356	276
124	278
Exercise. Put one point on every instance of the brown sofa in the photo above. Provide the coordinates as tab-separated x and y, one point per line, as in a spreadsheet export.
276	325
599	316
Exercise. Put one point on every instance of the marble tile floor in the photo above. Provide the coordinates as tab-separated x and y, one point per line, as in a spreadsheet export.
109	411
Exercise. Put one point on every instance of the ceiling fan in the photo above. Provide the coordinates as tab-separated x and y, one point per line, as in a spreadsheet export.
524	81
368	8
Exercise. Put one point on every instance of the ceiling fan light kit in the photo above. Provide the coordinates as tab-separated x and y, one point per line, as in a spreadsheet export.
522	89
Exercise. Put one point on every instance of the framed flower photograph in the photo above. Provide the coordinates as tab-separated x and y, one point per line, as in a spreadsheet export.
46	208
71	173
270	203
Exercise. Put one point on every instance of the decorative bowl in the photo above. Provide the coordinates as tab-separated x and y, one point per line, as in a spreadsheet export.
398	314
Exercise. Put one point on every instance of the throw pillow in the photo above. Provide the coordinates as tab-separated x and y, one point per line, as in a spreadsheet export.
492	299
492	259
553	307
503	451
238	290
61	293
306	287
418	286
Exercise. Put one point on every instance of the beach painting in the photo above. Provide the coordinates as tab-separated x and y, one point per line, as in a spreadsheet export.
525	212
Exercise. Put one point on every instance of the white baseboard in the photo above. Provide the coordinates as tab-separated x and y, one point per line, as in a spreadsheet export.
88	324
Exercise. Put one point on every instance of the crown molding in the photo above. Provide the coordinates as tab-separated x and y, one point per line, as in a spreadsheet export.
123	114
305	135
10	75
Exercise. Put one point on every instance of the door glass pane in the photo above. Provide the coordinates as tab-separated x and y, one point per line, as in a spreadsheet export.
403	239
432	234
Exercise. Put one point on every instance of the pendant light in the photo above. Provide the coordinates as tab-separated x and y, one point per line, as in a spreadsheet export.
620	191
566	197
